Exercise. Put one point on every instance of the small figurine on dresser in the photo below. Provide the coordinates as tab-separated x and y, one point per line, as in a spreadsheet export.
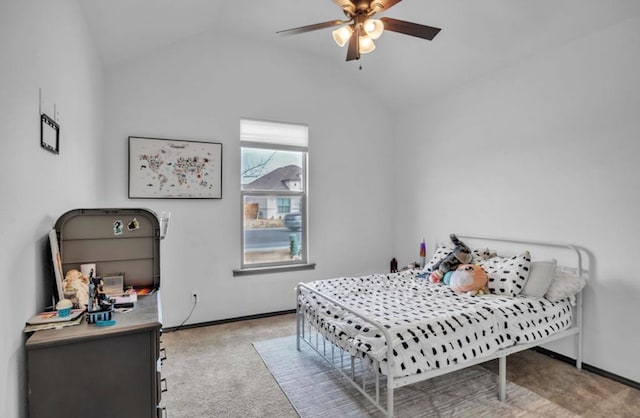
100	307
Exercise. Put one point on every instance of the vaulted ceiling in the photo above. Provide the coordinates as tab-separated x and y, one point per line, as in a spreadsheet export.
477	37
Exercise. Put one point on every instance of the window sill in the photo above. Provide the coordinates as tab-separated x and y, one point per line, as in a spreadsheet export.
274	269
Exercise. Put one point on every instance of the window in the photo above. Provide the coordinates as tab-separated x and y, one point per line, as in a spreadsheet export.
284	205
274	193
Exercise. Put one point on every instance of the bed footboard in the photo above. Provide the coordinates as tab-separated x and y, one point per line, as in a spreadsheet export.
336	360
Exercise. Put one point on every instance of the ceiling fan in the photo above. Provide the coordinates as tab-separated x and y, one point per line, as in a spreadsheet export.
361	29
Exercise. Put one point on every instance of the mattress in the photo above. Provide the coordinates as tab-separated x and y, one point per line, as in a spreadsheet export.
430	325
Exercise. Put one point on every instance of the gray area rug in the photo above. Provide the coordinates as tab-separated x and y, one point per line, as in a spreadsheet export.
315	389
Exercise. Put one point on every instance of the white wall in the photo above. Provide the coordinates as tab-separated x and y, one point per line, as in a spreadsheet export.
42	45
545	149
199	89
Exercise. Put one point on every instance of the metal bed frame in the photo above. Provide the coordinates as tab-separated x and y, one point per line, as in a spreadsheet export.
372	392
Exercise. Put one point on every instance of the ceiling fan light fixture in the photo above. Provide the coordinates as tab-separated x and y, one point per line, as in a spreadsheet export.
373	28
361	28
342	35
366	44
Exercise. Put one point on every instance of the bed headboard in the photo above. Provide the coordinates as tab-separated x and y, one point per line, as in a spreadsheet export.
572	260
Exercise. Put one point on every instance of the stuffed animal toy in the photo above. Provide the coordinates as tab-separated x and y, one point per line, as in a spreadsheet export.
484	253
467	278
461	254
77	282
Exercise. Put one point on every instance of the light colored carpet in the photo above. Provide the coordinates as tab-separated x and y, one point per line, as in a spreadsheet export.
316	390
215	372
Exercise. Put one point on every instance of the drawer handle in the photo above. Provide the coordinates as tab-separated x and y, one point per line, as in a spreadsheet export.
163	354
166	388
163	411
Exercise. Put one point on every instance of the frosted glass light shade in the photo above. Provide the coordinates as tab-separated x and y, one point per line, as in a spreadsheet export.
374	28
366	44
342	35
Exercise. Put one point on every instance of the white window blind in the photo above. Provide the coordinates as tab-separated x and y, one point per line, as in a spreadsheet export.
265	132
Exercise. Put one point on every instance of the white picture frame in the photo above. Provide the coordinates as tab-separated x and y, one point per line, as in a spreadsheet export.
174	169
57	262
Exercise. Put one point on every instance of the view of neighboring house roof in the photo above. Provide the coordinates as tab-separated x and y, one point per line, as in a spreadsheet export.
278	179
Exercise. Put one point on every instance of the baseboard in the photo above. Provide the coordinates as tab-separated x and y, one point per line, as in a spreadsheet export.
229	320
588	367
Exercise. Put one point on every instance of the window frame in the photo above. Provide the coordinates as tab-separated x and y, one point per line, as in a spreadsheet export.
285	265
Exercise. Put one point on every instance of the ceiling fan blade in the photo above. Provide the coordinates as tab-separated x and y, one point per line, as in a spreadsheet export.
309	28
408	28
353	51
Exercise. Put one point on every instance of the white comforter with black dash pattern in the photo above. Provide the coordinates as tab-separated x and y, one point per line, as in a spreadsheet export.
431	326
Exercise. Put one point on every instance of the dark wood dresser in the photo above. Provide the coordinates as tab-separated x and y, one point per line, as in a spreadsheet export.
100	372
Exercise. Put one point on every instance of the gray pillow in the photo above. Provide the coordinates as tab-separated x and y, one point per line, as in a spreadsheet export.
540	277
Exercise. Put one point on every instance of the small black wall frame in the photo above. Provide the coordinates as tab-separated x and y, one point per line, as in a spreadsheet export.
49	134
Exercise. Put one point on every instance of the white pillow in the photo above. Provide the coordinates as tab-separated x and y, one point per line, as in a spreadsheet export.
507	275
564	285
440	254
540	277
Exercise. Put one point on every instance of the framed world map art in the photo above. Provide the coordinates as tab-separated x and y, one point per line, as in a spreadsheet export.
174	169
